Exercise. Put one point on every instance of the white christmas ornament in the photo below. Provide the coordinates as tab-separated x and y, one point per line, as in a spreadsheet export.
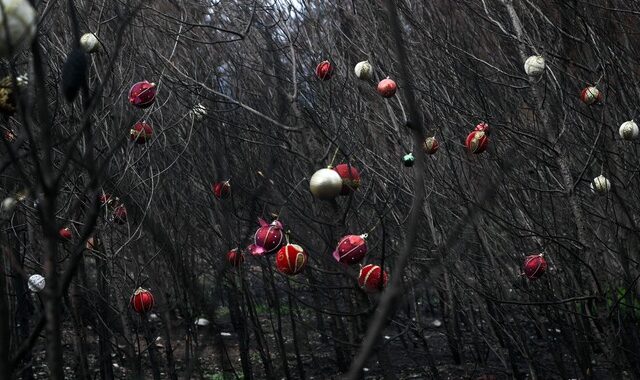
363	70
19	19
325	184
8	204
201	322
199	111
89	43
36	283
534	65
600	185
629	130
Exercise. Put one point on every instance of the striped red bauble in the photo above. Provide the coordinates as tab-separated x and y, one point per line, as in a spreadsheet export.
372	278
142	301
478	140
534	266
267	239
291	259
141	132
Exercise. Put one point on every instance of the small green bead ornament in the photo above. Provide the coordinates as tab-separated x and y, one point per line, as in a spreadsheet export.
408	160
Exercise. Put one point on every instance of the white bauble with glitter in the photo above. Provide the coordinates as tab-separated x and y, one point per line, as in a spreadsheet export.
629	130
36	283
534	65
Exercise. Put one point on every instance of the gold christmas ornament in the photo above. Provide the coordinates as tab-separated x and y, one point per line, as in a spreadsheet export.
325	184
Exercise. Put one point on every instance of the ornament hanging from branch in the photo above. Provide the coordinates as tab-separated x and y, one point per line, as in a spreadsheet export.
629	130
387	88
591	95
477	141
363	70
351	249
141	132
324	70
291	259
408	160
430	145
267	239
600	185
142	94
534	266
221	190
36	283
372	279
325	184
350	178
89	43
235	257
65	233
534	66
142	301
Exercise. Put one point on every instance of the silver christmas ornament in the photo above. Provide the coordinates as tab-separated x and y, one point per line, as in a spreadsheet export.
325	184
36	283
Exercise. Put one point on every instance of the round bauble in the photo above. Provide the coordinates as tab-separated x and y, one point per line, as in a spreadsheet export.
65	233
105	199
120	214
18	18
363	70
534	266
9	204
430	145
600	185
351	249
477	142
408	160
291	259
235	257
199	111
9	135
350	178
267	239
141	133
89	43
372	279
324	70
387	88
629	130
36	283
142	301
591	95
142	94
534	65
325	184
221	190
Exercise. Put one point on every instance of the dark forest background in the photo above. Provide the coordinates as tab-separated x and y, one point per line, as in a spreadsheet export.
452	231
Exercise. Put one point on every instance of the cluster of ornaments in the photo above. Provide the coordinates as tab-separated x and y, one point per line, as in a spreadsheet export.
328	183
364	71
115	209
142	95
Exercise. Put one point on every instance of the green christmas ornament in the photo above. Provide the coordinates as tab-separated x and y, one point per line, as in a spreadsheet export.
408	160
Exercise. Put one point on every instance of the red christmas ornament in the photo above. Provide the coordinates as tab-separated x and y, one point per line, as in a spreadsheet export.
142	301
235	258
477	142
267	239
65	233
387	88
221	190
142	94
141	132
372	278
324	70
120	214
350	178
291	259
351	249
591	95
9	135
534	266
105	199
430	145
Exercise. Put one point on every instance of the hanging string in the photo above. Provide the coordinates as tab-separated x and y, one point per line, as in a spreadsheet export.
333	159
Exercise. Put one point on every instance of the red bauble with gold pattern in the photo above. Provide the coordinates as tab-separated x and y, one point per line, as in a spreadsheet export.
350	178
235	258
142	94
534	266
141	132
142	301
387	88
351	249
65	233
372	279
291	259
267	239
430	145
477	142
221	190
324	70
